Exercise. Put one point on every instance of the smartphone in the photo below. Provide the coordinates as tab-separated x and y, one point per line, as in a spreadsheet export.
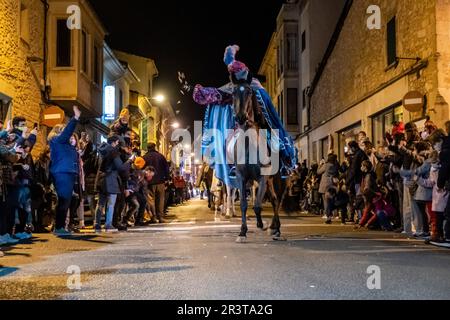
35	126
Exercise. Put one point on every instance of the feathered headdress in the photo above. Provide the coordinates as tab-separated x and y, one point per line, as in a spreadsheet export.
237	68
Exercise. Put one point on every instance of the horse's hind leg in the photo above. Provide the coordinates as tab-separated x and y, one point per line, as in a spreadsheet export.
275	227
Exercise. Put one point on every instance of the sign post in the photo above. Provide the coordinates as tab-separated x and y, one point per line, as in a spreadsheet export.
53	116
414	101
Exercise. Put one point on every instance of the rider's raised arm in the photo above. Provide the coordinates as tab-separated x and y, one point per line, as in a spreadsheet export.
205	96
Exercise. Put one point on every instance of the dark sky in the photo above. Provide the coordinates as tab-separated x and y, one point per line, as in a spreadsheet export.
190	36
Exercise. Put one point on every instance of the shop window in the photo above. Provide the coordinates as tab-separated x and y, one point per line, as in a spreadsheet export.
345	136
383	122
63	44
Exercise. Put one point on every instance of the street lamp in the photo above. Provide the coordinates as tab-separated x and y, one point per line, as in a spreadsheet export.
160	98
175	125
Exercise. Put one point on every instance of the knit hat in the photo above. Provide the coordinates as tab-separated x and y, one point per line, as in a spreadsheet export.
139	163
125	114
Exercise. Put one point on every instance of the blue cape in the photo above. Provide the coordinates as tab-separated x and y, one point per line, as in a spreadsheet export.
221	117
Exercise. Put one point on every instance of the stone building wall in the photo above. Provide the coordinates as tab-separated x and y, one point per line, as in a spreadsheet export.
16	73
358	64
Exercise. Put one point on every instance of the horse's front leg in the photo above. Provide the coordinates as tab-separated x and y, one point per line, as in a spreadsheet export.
262	182
243	235
275	227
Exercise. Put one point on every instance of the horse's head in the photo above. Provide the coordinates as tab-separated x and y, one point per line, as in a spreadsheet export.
242	100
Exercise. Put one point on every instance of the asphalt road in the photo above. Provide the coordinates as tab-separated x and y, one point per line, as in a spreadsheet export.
195	257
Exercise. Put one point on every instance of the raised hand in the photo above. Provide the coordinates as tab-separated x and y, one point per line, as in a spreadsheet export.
77	112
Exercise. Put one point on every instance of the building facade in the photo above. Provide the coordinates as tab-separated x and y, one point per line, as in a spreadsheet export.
149	117
43	62
293	57
21	67
368	72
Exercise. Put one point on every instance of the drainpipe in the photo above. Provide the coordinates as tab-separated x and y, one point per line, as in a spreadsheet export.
45	91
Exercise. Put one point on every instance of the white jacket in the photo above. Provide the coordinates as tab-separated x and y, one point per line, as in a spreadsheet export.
439	200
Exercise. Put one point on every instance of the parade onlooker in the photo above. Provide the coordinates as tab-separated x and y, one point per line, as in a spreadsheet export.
64	168
157	185
109	181
329	172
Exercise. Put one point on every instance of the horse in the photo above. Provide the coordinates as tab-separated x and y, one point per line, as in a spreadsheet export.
249	117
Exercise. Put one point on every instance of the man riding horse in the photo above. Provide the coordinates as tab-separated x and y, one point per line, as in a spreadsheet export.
241	105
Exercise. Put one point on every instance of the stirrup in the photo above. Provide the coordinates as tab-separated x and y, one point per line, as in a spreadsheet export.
284	173
232	174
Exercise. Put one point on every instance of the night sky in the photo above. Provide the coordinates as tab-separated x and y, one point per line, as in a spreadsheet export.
189	36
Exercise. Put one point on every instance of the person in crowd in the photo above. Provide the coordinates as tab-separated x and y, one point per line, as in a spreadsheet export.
180	184
157	186
42	194
24	172
108	181
120	126
90	161
437	203
78	192
64	168
132	193
354	176
8	157
329	172
339	200
443	182
369	191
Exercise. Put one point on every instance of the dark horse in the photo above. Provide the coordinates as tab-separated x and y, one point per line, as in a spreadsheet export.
249	117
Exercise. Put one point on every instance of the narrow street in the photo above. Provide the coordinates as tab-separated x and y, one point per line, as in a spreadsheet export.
195	257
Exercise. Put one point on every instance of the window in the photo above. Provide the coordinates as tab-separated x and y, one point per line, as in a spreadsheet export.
303	41
314	156
280	59
383	122
84	52
24	23
96	66
292	49
4	109
63	44
391	41
347	135
324	148
292	107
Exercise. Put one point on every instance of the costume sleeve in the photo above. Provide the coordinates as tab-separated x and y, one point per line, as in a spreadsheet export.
205	96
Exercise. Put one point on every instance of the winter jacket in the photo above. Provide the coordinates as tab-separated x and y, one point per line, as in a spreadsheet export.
439	199
328	172
424	192
157	160
111	167
64	156
354	172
